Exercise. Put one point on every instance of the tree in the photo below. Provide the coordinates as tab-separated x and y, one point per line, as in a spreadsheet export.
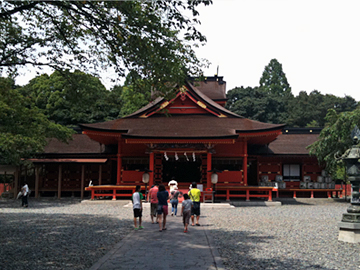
255	104
69	98
312	108
273	80
23	128
141	37
334	139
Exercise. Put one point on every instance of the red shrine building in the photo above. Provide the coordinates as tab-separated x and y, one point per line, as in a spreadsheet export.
187	139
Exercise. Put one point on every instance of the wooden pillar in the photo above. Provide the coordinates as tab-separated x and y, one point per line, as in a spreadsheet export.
82	181
245	163
119	164
100	174
59	181
37	177
151	168
209	164
16	182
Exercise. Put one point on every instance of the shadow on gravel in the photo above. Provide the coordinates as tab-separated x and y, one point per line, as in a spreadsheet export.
309	201
57	241
50	202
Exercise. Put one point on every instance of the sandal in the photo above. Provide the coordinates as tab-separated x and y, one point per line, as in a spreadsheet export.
164	229
197	224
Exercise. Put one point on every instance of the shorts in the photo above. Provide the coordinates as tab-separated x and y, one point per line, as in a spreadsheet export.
153	209
162	209
186	217
195	210
137	212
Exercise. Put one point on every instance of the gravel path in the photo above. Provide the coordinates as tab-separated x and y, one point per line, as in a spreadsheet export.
67	234
286	237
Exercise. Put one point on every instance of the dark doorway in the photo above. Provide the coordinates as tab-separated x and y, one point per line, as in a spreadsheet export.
182	170
252	173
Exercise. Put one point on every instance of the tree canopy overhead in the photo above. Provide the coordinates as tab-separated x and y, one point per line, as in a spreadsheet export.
140	37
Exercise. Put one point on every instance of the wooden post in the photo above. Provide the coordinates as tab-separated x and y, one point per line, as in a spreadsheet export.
37	176
100	174
82	181
59	181
151	168
16	182
209	164
119	164
245	163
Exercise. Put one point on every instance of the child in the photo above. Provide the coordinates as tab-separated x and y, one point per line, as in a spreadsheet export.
137	206
186	211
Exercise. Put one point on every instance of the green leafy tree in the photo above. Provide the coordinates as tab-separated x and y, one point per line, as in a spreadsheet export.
69	98
143	37
335	138
253	103
310	110
23	128
273	80
133	99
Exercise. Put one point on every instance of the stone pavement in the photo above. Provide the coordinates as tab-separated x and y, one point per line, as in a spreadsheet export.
170	249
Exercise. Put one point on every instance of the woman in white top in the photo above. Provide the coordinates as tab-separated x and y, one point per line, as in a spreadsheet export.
25	193
173	185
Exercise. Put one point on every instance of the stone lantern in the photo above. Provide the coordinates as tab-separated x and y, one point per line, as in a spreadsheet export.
350	223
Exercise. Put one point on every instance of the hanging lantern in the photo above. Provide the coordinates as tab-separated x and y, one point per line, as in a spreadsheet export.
186	156
166	157
214	178
145	178
176	156
193	155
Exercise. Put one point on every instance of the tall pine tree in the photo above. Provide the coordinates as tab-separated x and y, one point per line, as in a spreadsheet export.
274	81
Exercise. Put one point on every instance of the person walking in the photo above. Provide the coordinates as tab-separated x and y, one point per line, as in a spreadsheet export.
137	198
195	195
173	184
186	211
153	202
25	195
174	200
162	209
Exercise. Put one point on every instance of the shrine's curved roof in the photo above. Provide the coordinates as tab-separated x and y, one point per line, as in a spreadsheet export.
211	121
194	126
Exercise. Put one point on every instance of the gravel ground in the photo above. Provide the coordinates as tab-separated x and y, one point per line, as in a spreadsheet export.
67	234
293	236
54	234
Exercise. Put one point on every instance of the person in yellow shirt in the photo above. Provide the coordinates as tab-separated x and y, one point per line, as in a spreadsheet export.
195	195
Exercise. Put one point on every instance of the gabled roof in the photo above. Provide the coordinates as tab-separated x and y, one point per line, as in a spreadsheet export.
192	92
192	115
